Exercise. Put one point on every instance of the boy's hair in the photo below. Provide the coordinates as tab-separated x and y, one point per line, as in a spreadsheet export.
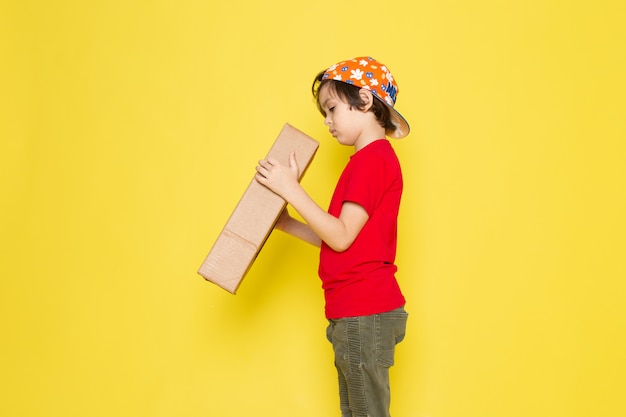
350	93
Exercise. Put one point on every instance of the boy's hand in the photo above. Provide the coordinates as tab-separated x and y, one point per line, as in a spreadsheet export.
277	177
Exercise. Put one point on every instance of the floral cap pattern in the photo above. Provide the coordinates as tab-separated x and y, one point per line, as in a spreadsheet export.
366	72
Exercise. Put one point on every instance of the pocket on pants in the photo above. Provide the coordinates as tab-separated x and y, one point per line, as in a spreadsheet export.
391	331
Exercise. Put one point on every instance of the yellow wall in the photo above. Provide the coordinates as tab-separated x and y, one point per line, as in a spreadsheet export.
129	130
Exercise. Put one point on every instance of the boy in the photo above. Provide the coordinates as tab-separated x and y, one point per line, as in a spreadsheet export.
357	236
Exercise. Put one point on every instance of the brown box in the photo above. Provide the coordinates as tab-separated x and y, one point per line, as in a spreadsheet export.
254	217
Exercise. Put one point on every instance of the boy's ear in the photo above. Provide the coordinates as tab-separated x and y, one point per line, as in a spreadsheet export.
367	98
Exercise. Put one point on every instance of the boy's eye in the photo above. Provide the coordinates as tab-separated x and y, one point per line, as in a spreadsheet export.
330	109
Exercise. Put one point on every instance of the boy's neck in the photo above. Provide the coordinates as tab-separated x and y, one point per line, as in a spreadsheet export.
368	136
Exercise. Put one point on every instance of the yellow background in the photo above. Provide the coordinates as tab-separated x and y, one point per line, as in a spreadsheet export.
129	130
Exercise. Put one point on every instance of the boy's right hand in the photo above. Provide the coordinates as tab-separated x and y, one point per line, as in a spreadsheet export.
283	180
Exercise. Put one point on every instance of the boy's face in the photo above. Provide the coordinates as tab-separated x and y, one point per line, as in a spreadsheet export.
344	123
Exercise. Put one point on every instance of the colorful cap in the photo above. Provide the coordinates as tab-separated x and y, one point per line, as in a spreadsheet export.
366	72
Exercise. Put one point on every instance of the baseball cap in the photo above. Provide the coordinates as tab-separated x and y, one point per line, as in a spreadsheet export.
366	72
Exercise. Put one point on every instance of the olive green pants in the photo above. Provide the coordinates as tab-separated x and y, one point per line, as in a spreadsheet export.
364	349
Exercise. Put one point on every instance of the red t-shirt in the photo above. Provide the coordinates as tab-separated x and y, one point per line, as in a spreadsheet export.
361	280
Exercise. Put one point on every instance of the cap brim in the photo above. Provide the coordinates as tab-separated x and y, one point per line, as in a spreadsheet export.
402	126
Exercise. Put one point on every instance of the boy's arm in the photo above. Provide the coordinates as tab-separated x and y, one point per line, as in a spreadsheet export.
337	232
296	228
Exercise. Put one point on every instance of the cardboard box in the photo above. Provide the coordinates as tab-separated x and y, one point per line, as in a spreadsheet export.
254	217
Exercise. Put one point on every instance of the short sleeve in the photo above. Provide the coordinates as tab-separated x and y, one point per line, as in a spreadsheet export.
366	182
